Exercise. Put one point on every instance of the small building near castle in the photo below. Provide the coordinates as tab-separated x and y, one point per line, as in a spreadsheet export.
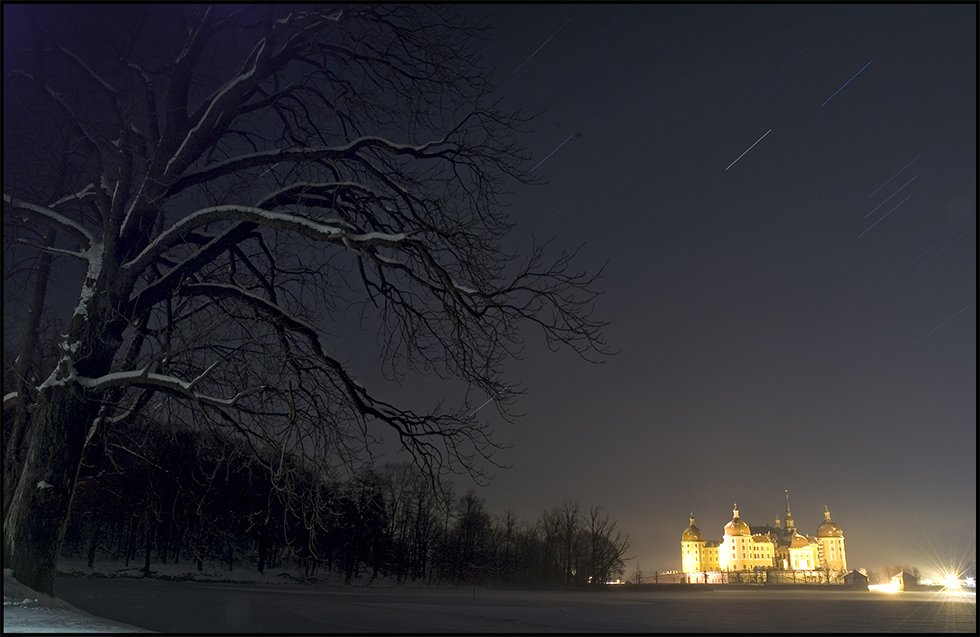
905	581
745	548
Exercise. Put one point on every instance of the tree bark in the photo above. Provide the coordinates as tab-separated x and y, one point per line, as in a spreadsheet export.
38	514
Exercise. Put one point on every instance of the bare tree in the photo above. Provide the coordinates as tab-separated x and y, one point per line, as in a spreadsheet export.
237	179
582	549
560	530
606	547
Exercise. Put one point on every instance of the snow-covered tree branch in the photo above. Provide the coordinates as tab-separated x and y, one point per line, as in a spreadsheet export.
41	214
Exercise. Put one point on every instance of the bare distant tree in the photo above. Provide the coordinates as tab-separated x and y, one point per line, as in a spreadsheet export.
605	547
232	179
560	534
582	549
636	576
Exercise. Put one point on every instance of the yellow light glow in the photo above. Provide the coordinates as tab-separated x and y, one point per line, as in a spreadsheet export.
951	580
884	588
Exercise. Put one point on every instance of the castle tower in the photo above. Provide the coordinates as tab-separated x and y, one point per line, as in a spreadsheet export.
735	551
692	549
831	540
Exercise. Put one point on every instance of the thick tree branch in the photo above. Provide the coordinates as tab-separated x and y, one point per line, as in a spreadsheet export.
52	219
145	378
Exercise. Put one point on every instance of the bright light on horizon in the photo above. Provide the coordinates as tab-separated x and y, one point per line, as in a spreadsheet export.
951	580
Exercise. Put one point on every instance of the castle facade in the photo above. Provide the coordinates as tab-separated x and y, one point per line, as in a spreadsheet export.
764	548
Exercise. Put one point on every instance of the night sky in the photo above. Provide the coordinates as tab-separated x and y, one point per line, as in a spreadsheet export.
801	316
784	198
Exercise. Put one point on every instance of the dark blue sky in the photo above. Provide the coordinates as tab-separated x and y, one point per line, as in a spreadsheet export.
769	339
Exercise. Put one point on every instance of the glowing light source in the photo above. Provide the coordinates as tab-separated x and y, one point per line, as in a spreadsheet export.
951	580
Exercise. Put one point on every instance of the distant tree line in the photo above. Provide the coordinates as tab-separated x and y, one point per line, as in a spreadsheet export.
152	494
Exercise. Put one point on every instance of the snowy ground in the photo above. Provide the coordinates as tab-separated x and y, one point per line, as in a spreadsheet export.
27	611
182	600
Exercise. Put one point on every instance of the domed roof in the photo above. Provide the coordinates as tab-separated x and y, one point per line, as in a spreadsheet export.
736	526
692	533
828	528
799	542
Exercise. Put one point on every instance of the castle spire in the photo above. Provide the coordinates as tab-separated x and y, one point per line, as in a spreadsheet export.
790	524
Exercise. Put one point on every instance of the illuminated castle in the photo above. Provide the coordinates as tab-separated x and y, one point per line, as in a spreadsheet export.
763	548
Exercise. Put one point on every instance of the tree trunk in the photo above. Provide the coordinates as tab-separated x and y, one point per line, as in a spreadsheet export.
13	453
35	523
202	549
150	529
263	549
131	539
93	547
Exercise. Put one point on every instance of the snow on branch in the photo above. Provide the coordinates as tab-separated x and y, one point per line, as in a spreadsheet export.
49	217
83	194
145	378
318	230
52	250
206	123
